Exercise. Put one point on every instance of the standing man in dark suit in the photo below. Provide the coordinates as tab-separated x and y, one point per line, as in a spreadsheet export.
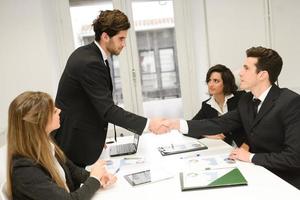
85	94
272	125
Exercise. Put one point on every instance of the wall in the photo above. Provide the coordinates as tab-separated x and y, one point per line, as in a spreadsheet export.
233	26
285	29
33	49
223	30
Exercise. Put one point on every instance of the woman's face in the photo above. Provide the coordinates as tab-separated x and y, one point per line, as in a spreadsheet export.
215	84
53	122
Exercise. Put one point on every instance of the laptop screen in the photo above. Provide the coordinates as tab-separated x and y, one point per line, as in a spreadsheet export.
125	149
136	139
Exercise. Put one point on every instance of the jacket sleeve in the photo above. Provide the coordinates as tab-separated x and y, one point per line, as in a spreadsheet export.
34	182
95	81
224	123
78	174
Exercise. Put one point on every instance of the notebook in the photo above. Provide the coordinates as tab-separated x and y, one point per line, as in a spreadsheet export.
211	178
125	149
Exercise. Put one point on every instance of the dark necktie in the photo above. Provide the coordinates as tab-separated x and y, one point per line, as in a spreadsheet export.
107	65
255	102
108	69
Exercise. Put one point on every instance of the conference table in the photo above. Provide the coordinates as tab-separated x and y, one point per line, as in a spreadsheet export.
262	184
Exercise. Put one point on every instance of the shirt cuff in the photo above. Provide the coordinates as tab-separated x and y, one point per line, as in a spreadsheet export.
184	129
146	129
251	156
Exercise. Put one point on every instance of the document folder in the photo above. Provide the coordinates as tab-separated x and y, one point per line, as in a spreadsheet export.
211	178
181	148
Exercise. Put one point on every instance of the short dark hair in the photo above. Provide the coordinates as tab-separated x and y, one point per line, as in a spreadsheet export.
227	77
268	60
110	22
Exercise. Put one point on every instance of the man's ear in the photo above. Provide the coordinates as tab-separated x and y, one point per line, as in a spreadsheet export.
104	36
264	75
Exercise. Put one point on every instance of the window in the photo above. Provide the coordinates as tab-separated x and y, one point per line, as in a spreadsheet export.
156	45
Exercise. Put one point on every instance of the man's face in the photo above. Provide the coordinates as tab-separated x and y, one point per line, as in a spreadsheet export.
249	78
117	43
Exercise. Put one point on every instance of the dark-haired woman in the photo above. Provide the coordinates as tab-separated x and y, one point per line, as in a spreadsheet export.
224	97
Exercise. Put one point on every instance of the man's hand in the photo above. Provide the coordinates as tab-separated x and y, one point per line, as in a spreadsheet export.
173	124
220	136
240	154
159	125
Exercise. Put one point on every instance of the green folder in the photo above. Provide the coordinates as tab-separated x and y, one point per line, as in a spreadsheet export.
211	178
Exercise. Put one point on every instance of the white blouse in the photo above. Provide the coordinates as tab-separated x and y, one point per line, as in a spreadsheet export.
59	167
213	103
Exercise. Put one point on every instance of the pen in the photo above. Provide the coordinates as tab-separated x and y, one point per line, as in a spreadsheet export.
229	160
132	158
190	156
116	171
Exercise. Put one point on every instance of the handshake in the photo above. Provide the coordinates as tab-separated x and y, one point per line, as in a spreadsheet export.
162	125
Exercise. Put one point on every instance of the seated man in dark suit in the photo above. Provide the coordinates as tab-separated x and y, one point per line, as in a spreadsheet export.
271	123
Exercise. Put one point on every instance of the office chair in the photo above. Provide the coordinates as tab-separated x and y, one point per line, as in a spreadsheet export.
3	193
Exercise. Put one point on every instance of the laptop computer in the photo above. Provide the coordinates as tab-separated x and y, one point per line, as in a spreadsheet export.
125	149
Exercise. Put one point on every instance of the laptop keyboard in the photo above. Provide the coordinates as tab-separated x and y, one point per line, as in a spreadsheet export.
122	148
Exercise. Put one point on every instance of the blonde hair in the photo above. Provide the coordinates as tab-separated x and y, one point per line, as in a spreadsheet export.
28	116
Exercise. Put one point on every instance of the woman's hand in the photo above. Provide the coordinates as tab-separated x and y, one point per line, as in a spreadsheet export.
98	169
220	136
107	180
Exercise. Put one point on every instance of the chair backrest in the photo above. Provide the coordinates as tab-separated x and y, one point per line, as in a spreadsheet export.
3	193
3	152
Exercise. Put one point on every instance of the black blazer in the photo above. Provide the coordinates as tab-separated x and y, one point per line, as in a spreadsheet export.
85	97
207	112
32	181
273	136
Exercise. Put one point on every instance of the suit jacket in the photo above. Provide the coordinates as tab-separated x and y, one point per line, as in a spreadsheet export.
207	112
273	136
31	181
85	97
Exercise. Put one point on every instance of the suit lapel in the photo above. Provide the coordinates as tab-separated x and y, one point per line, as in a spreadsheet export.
249	110
95	48
267	105
110	79
231	103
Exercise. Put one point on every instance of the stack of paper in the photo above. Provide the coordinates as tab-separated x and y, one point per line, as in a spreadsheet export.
181	148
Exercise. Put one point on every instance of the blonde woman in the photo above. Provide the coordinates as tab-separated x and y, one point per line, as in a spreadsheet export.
37	168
